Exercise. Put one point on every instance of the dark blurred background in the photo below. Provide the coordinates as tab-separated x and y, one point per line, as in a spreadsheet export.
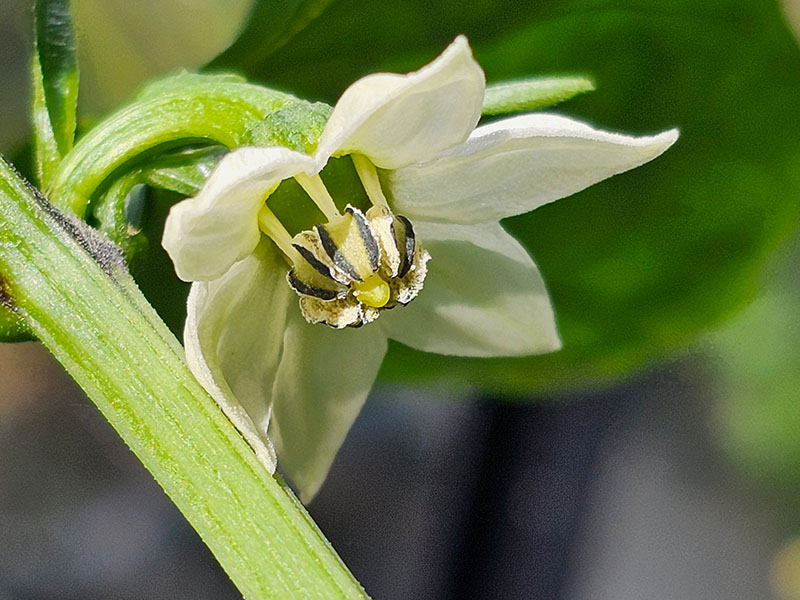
658	457
620	494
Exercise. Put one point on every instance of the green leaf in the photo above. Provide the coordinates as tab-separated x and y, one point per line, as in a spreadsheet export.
270	25
71	287
44	141
640	265
55	84
533	94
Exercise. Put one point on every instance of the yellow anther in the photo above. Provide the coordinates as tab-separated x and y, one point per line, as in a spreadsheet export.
373	291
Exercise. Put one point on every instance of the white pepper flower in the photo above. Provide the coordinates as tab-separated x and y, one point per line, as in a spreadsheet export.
287	332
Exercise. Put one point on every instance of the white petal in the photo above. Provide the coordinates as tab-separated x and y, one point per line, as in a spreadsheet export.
483	297
397	120
516	165
234	336
206	234
322	382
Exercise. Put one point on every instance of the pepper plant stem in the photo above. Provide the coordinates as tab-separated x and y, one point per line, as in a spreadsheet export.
70	286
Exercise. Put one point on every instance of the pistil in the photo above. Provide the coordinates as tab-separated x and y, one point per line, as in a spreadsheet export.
373	291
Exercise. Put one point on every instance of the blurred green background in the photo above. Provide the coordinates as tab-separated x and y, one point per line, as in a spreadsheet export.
693	257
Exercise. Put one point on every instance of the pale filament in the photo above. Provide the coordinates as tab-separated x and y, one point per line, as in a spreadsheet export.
369	179
274	229
317	191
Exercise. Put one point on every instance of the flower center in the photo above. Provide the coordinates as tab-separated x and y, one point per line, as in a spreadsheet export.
357	264
373	291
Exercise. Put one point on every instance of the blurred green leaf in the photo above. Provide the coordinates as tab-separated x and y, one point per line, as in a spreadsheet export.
55	84
124	43
356	37
533	94
270	24
640	264
757	388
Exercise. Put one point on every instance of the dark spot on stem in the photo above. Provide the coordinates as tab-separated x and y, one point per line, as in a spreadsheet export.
5	298
105	253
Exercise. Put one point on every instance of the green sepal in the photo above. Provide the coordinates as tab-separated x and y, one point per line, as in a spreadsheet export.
54	72
533	94
296	126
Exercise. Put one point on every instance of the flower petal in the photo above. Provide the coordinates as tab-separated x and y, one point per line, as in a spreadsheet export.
234	336
516	165
483	297
206	234
396	120
322	382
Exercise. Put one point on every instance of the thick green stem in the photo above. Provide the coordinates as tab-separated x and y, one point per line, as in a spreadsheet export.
71	288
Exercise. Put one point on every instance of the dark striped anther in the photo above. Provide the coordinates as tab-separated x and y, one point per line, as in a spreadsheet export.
408	247
315	263
367	237
309	290
332	250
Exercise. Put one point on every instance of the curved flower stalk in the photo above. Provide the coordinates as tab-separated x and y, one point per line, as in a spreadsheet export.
438	189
